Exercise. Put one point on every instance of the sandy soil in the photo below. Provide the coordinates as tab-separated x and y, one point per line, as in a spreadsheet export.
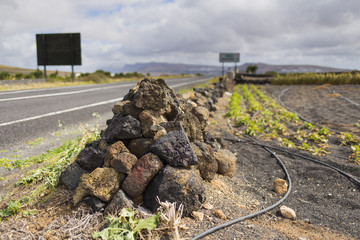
326	203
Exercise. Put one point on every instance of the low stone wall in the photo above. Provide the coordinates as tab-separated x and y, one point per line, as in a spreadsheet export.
21	81
155	147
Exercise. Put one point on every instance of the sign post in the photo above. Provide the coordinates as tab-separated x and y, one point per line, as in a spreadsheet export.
229	57
58	49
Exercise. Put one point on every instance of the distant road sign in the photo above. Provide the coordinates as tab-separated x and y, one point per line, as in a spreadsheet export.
229	57
58	49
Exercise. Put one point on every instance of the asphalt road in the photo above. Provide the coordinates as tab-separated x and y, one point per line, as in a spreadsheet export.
30	114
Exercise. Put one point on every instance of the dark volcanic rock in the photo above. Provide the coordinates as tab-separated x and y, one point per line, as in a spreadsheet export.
113	151
202	114
96	204
102	183
182	186
144	170
119	201
71	176
124	162
122	127
208	166
91	157
126	108
226	162
140	146
148	119
174	148
172	126
191	125
155	95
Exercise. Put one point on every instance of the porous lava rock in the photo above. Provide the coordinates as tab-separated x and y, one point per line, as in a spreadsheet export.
102	183
71	176
91	157
174	149
208	165
126	108
140	146
124	162
144	170
226	162
96	204
155	95
179	185
202	115
118	202
191	125
113	151
149	118
122	127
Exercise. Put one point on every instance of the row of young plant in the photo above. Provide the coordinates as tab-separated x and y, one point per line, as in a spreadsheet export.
317	78
259	115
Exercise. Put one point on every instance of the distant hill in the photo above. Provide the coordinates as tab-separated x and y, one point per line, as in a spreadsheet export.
156	68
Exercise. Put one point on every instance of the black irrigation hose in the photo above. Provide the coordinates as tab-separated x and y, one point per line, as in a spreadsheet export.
301	156
347	99
221	226
298	114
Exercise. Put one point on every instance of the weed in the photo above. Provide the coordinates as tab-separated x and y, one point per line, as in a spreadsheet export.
47	176
171	216
308	125
35	142
355	156
348	138
12	208
287	143
126	226
324	131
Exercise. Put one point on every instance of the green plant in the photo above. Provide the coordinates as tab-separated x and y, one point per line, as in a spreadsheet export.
318	138
324	131
37	74
356	153
4	75
251	69
126	227
347	138
308	125
287	143
36	141
19	75
12	208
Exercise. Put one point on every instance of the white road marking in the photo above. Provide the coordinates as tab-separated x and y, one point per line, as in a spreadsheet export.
60	112
63	93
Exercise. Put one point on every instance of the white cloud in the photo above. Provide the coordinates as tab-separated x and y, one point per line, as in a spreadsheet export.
113	32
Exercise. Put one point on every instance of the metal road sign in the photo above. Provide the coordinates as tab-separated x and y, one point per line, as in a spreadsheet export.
229	57
58	49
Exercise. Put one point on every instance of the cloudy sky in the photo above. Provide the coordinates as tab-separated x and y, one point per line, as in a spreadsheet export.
117	32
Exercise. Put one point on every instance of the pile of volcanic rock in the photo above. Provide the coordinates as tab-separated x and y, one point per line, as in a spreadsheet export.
156	145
